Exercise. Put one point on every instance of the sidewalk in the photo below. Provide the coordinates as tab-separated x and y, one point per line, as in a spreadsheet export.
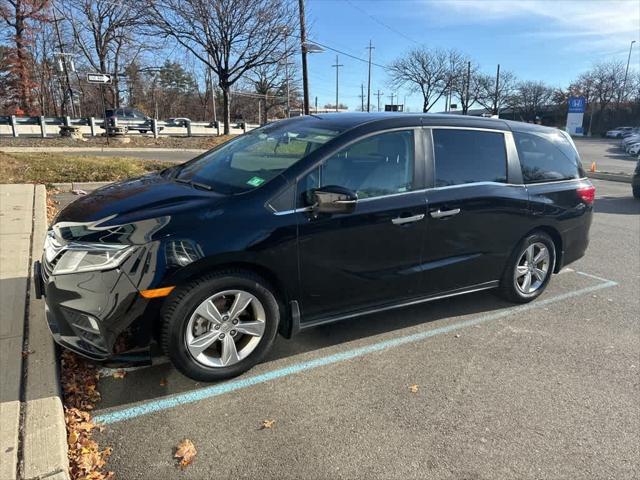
32	429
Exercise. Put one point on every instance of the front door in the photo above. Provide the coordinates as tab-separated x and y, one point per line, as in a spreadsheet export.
370	256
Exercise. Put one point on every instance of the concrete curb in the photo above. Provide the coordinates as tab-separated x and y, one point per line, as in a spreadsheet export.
96	149
613	177
45	434
68	187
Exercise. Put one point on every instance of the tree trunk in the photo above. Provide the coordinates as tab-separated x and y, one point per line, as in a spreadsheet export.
226	111
23	77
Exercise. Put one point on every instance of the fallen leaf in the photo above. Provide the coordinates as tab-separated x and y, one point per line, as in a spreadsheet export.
185	451
413	388
457	335
163	382
119	374
267	424
26	353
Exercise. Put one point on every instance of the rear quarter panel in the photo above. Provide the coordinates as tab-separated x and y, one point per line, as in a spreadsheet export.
558	205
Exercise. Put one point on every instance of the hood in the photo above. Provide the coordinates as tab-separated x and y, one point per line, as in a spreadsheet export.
152	198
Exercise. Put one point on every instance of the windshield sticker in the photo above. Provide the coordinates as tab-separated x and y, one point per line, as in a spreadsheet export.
255	181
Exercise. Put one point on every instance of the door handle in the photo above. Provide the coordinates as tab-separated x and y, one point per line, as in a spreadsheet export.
403	220
445	213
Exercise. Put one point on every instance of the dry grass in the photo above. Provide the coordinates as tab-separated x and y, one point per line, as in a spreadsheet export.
48	168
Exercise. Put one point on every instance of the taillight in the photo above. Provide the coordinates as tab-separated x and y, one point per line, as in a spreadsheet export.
587	194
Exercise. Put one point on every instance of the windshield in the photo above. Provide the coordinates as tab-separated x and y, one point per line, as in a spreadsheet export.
251	160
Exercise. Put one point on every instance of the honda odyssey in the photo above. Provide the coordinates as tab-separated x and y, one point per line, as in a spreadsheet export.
309	221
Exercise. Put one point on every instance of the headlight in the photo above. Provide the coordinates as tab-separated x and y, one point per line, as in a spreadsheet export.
88	257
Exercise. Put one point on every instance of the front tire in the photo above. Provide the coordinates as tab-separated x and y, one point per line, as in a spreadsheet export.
219	325
529	269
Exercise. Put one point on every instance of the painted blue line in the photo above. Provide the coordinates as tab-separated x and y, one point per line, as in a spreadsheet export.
220	389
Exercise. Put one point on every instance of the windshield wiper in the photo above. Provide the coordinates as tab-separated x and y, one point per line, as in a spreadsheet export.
203	186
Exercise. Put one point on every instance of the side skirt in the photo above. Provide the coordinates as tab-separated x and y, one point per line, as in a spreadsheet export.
406	303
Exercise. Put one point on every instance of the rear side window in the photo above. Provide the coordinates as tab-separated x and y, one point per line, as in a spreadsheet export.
469	156
546	157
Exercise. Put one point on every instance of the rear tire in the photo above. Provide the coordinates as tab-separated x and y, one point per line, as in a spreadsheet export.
219	325
529	269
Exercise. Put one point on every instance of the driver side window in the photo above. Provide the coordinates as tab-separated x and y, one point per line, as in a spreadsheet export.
376	166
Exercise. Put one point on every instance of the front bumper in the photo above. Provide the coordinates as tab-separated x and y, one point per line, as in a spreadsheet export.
99	315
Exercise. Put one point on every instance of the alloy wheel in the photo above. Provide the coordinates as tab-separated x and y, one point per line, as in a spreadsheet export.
532	268
225	328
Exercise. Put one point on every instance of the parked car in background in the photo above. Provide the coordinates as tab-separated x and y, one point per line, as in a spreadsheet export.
618	132
634	148
635	181
114	115
310	221
178	122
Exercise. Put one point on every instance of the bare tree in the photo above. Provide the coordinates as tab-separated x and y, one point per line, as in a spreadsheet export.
103	31
270	81
230	36
492	99
467	86
19	16
607	80
430	72
529	98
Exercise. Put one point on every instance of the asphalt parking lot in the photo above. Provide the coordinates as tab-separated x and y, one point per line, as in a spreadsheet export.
548	390
607	154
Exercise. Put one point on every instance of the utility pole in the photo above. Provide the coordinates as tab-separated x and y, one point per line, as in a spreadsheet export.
391	97
466	102
496	99
361	97
316	104
64	63
379	94
370	47
626	72
337	66
303	48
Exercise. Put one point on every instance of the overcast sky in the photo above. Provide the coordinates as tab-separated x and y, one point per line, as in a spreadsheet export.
547	40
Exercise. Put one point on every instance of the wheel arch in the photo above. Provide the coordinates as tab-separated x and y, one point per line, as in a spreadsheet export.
281	290
557	242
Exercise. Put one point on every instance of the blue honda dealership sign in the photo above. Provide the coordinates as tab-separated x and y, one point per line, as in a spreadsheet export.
577	104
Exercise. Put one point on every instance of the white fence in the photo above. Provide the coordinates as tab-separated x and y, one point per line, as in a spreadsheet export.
43	127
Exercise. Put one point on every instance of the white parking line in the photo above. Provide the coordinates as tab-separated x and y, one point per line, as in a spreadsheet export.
172	401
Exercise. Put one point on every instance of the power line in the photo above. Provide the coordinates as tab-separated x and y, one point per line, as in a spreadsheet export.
385	25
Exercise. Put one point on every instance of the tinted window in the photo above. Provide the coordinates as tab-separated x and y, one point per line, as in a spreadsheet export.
547	156
378	165
467	156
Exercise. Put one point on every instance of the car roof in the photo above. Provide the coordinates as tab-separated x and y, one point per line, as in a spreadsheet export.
348	120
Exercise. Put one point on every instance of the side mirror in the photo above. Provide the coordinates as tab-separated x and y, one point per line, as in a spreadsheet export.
334	199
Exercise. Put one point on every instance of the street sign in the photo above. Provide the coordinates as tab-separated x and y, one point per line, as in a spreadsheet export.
101	78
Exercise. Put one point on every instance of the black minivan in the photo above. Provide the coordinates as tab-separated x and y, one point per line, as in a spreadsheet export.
308	221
